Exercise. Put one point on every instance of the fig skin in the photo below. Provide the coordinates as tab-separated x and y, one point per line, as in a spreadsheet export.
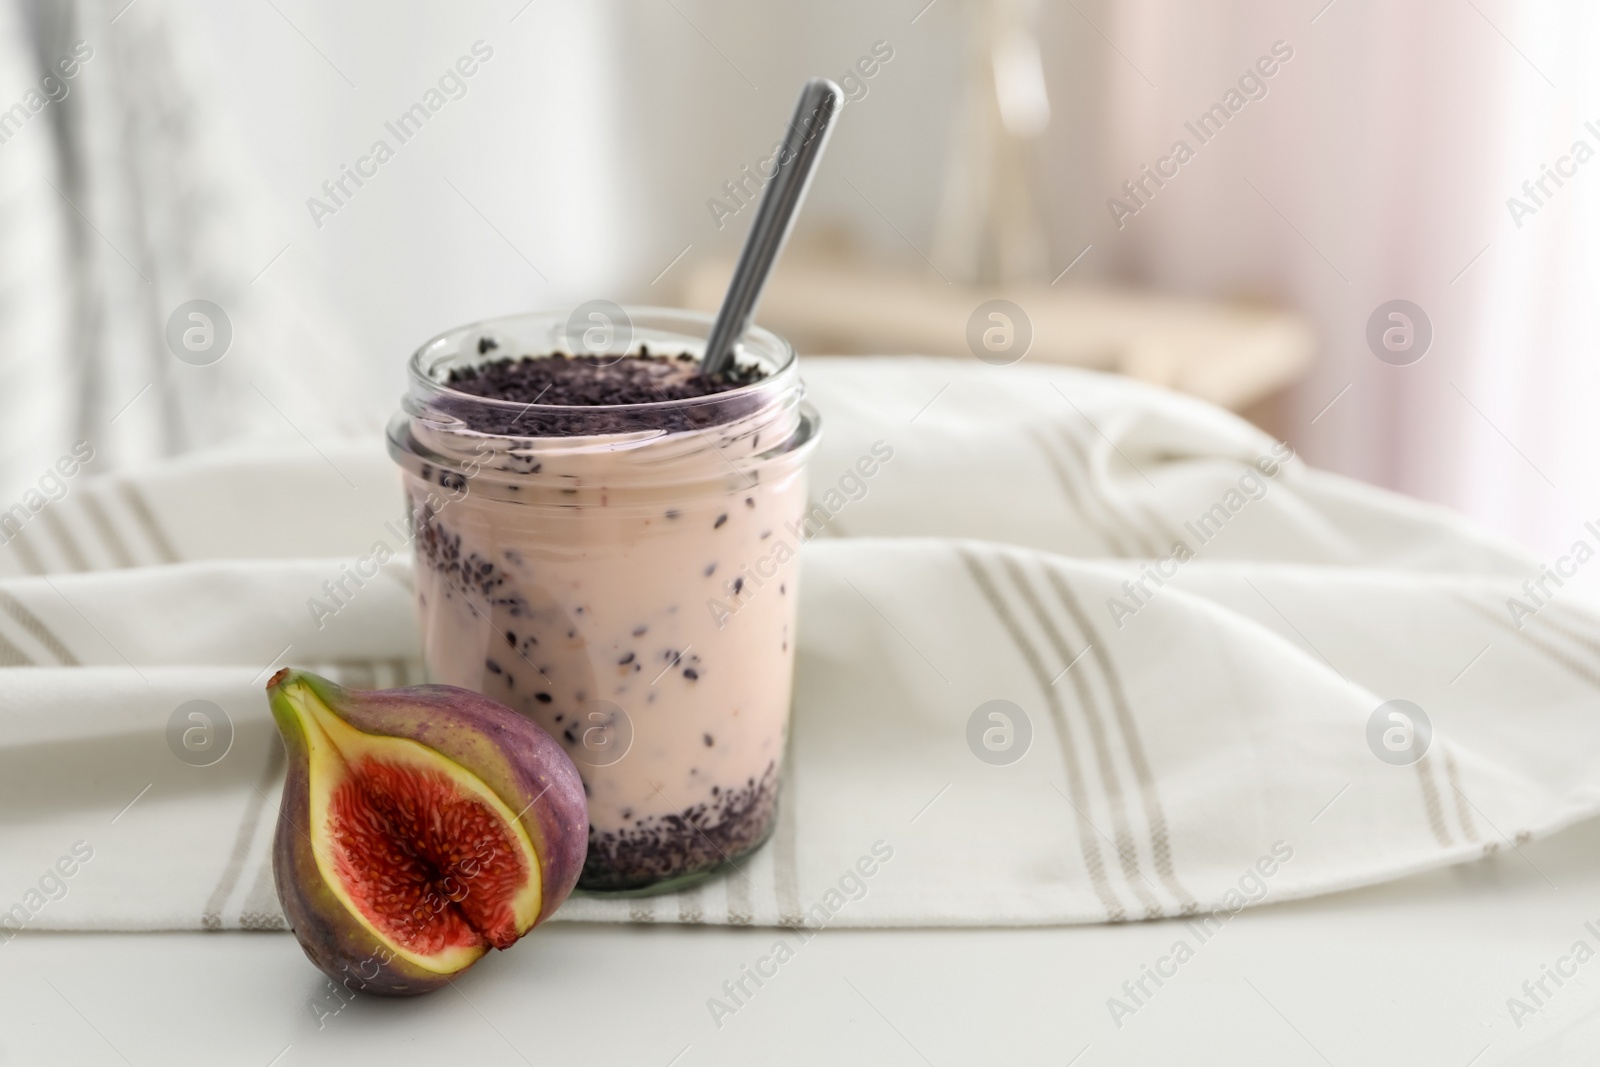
514	757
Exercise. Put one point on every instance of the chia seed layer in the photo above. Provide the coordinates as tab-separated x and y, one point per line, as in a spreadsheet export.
668	846
561	380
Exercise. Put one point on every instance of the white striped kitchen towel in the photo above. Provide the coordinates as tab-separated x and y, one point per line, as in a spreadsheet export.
1079	651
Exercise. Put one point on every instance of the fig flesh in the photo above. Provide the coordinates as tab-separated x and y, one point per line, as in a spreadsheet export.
419	827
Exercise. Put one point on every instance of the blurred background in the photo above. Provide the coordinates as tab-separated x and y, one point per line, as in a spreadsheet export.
1337	156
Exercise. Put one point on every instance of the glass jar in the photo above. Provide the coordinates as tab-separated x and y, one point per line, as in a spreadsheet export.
623	575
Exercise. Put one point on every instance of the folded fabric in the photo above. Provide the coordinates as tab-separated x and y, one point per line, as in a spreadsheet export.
1079	651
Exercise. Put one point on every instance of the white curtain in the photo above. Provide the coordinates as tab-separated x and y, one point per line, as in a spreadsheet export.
36	367
129	200
176	167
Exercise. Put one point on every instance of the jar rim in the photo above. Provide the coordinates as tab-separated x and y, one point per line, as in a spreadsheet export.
692	326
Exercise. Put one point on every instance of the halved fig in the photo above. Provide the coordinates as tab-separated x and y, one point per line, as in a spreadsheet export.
419	827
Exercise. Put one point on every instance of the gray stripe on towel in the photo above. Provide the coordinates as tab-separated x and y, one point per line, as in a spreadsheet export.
785	866
11	655
1557	655
147	520
1155	813
1430	803
116	548
1087	833
1110	780
1113	542
23	547
37	629
211	917
1081	453
1463	810
738	886
691	904
260	910
56	530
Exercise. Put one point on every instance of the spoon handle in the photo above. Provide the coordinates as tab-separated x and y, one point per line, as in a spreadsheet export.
803	143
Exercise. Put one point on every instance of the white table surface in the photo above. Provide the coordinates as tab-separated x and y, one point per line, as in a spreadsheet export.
1415	972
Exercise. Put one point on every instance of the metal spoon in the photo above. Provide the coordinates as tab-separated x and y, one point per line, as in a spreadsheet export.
807	135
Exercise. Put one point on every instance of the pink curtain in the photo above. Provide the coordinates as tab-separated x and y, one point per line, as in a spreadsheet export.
1377	166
